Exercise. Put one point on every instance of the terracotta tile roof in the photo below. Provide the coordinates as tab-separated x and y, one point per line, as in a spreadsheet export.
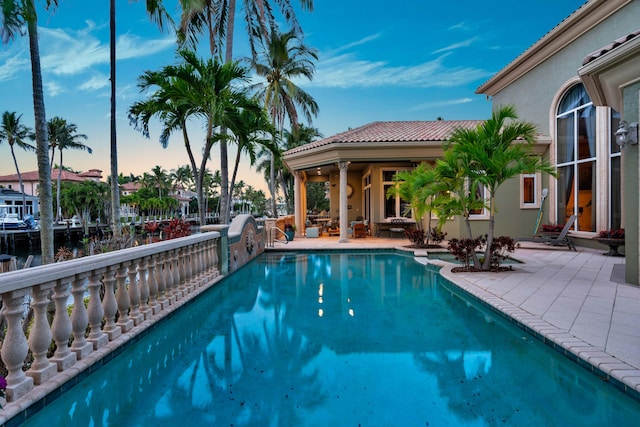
608	48
390	132
92	173
32	176
131	186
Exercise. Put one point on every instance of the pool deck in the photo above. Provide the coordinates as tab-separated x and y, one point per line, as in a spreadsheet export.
578	302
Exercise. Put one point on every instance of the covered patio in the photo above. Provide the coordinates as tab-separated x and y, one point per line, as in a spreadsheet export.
359	166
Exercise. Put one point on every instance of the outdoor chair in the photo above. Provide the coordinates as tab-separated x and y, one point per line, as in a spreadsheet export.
394	228
359	230
560	240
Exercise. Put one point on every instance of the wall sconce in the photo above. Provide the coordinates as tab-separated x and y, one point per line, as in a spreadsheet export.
627	134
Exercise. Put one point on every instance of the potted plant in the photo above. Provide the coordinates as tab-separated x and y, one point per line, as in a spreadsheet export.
290	231
613	238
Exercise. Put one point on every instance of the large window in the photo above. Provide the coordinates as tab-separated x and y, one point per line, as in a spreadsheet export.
393	206
482	194
576	159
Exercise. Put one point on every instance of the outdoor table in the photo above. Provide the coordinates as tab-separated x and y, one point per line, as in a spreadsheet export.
386	225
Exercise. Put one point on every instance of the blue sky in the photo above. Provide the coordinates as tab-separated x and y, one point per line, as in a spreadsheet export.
377	62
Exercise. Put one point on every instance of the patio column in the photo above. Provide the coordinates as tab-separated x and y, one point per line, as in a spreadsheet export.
344	214
297	201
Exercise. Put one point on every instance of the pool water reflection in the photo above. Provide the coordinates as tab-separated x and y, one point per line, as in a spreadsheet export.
319	339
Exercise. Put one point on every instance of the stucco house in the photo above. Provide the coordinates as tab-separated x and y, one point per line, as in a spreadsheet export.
597	180
575	84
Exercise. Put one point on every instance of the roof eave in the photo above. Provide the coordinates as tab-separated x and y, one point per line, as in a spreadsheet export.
606	76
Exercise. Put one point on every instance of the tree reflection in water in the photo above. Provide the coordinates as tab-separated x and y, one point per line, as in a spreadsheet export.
337	339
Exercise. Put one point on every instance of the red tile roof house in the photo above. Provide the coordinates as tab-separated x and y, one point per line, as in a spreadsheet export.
30	180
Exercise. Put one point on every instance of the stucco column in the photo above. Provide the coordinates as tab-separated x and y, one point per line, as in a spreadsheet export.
344	214
297	201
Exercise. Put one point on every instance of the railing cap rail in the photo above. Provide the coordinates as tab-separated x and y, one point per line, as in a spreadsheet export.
14	280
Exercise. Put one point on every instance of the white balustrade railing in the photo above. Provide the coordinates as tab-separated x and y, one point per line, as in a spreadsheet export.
136	283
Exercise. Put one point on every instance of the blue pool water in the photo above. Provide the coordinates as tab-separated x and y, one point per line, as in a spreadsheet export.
330	339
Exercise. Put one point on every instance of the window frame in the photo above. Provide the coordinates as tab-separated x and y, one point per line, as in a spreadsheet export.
537	190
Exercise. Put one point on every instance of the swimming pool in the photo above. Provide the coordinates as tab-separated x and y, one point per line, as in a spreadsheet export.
340	339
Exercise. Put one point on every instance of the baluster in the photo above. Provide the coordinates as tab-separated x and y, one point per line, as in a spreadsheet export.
208	269
201	264
134	295
214	259
122	298
110	305
41	369
160	278
96	312
79	318
144	288
188	259
175	269
15	346
152	280
182	270
61	327
168	278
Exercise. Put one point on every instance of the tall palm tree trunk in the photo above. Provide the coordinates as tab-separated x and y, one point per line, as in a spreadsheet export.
115	189
42	143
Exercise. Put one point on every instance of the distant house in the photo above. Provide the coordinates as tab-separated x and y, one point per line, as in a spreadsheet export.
30	179
11	201
129	188
184	197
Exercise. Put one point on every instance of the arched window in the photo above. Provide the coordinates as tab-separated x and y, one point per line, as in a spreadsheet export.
576	159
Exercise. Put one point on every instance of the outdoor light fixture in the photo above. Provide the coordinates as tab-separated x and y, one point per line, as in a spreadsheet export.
627	134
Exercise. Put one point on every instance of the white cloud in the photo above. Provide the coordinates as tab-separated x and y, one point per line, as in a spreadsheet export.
53	88
96	82
360	42
465	43
12	66
345	71
464	26
71	53
438	104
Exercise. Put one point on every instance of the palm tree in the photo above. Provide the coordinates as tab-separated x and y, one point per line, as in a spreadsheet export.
194	89
13	15
285	58
283	178
497	150
158	180
63	135
15	133
218	19
251	134
182	177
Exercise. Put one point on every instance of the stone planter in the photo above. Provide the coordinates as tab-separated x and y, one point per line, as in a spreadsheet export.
613	244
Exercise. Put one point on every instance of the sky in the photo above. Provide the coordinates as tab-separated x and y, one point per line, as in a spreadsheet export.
377	62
